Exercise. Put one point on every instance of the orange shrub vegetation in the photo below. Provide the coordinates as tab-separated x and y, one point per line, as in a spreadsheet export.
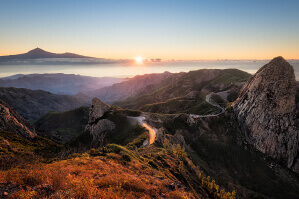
89	177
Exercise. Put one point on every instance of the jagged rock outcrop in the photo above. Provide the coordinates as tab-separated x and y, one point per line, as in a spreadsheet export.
97	110
98	126
10	121
266	112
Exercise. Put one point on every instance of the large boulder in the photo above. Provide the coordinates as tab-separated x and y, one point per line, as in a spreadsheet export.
266	112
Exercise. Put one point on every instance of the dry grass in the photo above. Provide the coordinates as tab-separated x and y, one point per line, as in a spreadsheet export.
89	177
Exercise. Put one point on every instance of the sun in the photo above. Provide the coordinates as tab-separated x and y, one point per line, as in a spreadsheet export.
139	60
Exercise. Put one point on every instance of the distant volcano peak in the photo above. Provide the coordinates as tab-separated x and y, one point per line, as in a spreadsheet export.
37	51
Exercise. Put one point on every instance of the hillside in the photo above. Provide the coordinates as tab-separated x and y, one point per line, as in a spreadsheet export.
107	124
186	92
107	152
62	127
58	83
128	88
19	144
12	122
120	173
218	146
116	172
32	104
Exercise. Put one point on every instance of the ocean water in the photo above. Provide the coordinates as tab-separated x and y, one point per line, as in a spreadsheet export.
130	70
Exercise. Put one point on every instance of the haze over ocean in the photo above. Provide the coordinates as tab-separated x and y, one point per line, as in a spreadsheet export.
127	70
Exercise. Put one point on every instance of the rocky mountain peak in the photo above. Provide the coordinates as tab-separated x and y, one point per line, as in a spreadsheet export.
275	86
266	112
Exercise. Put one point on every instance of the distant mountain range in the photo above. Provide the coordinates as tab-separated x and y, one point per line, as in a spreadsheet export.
32	104
41	57
38	53
58	83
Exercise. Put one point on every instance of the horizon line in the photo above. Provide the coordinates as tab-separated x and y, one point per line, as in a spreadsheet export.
162	60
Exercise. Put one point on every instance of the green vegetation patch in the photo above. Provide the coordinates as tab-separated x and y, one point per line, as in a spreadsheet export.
124	133
137	143
35	144
63	126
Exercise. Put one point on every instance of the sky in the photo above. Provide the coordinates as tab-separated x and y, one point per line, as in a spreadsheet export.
166	29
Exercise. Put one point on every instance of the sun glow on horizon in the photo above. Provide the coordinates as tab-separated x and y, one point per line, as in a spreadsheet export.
139	60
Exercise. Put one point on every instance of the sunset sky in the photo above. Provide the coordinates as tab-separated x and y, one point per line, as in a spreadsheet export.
167	29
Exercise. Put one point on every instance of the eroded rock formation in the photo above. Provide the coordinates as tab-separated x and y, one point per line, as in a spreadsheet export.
98	126
266	112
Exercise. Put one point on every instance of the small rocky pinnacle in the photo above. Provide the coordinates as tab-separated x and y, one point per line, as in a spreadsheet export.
97	110
97	125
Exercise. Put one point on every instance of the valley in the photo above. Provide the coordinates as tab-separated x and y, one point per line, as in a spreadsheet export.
197	134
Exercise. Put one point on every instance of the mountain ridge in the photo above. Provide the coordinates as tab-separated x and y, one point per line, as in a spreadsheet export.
39	53
32	104
11	121
58	83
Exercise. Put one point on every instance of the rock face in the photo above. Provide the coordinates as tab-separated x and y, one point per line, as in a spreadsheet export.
97	126
266	112
10	121
97	110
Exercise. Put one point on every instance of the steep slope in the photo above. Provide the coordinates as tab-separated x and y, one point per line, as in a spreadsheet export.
32	104
266	112
19	144
62	126
10	121
218	146
119	174
58	83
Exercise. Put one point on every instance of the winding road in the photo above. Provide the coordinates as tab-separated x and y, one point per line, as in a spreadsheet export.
211	115
152	132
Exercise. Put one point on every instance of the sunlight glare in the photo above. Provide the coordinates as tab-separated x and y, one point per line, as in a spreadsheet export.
139	60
